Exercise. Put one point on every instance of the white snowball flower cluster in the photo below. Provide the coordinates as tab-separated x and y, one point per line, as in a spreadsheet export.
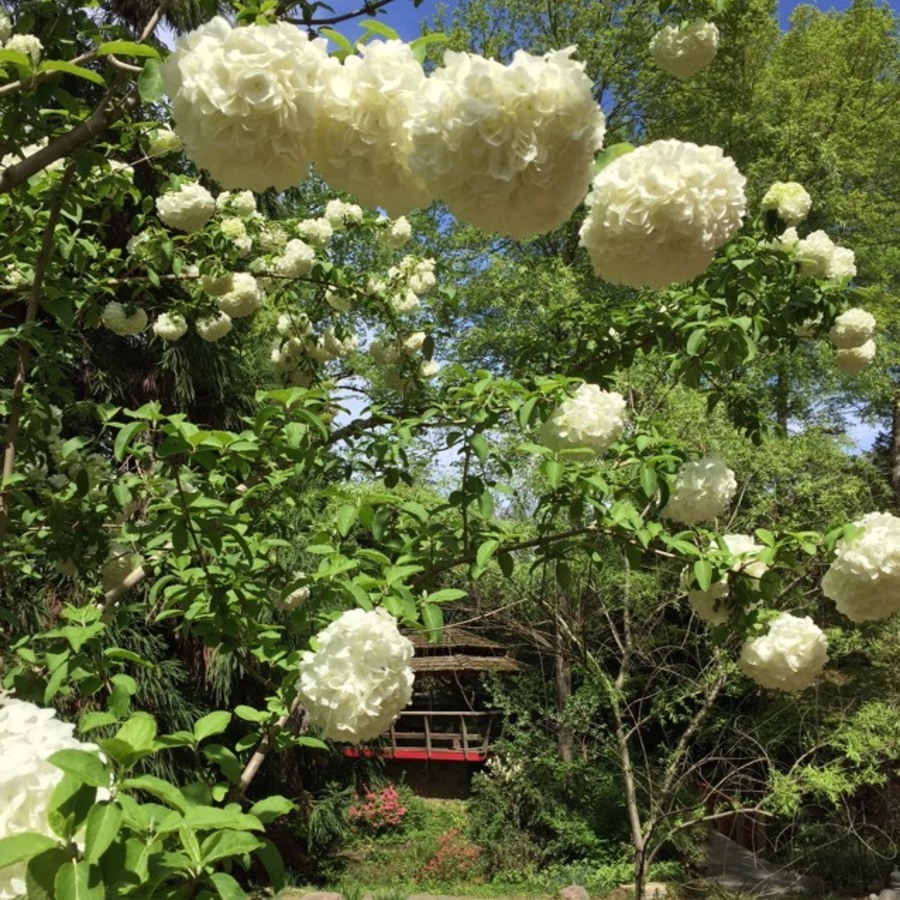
683	51
852	328
170	326
363	137
245	101
340	214
28	736
820	257
187	209
789	657
244	297
27	44
294	353
510	148
241	203
214	328
853	360
317	232
162	140
711	605
235	230
591	418
788	239
790	200
703	489
116	319
6	26
296	259
394	234
657	215
864	579
398	358
852	336
120	563
360	678
293	599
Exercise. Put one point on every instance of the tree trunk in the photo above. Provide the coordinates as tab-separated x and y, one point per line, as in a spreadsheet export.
640	873
895	446
562	659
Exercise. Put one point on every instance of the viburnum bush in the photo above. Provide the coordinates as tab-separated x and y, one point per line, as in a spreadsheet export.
198	380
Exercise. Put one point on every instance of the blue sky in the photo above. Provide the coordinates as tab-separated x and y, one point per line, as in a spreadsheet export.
404	17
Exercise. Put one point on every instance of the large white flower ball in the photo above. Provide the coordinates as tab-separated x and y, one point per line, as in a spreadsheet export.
790	200
852	328
510	148
789	657
187	209
712	604
864	579
820	257
853	360
116	318
29	734
244	298
685	50
657	215
246	101
591	418
363	138
360	678
703	489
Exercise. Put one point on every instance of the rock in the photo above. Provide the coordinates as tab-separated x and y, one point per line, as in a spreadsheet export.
655	890
573	892
323	895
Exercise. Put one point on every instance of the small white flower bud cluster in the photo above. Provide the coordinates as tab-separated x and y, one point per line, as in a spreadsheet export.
394	233
791	201
118	320
712	604
398	359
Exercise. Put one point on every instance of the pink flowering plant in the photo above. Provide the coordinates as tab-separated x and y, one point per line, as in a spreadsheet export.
378	811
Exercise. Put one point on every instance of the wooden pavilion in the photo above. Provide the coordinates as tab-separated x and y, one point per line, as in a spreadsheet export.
446	721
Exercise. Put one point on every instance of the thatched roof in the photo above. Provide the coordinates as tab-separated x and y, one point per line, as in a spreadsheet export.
457	662
460	650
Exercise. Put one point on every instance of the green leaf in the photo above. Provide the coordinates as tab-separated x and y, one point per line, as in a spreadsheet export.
444	595
703	572
18	847
213	723
613	152
226	887
78	880
70	803
271	859
649	482
486	551
552	471
270	808
139	731
103	823
159	788
507	564
60	65
40	876
346	518
373	26
123	438
480	446
433	619
150	83
126	48
223	844
83	764
696	342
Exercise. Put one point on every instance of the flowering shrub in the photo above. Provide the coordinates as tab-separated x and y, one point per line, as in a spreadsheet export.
456	859
378	810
